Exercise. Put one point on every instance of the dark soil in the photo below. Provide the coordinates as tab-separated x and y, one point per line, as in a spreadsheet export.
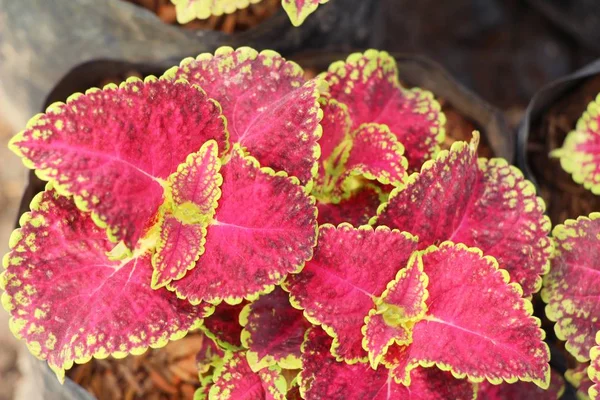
238	21
564	198
460	128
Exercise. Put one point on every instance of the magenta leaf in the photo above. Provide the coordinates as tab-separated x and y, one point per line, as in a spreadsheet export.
298	10
209	355
194	192
522	390
368	84
377	154
208	359
356	210
107	147
401	305
571	288
349	157
594	370
70	302
271	111
336	124
223	326
338	287
323	377
249	251
485	204
473	310
580	154
273	331
578	377
236	380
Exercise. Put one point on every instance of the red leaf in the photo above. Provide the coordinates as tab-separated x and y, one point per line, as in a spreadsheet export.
273	331
355	210
298	10
70	302
377	154
114	148
477	324
571	287
338	287
522	390
580	154
594	370
368	84
578	377
223	326
194	192
401	305
486	204
248	252
235	380
270	110
323	377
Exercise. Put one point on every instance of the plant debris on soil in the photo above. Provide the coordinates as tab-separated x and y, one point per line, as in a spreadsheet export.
169	373
238	21
564	198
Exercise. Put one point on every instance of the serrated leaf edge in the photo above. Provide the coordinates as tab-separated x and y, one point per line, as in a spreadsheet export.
528	308
60	370
80	202
234	300
248	53
315	321
559	329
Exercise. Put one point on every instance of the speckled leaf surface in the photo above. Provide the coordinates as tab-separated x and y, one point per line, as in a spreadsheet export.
336	124
298	10
271	111
401	305
236	380
223	326
368	84
273	331
188	10
356	210
70	302
210	355
377	154
594	369
523	390
473	310
481	203
338	287
578	377
114	148
248	252
192	201
323	377
572	287
580	153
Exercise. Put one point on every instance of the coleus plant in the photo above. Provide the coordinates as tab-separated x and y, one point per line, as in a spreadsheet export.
580	153
570	289
188	10
191	202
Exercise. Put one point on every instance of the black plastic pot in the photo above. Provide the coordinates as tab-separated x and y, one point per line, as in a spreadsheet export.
539	106
42	40
414	70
